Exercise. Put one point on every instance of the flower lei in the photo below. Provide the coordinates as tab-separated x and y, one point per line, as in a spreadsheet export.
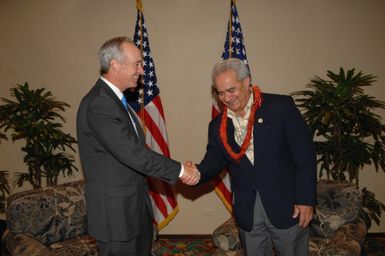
246	142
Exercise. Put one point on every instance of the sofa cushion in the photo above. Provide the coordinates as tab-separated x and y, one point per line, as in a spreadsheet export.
338	203
81	246
226	236
347	240
50	214
22	244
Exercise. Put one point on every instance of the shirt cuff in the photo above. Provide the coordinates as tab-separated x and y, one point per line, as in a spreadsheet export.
181	171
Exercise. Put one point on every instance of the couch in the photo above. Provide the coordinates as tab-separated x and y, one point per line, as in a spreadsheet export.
48	221
336	228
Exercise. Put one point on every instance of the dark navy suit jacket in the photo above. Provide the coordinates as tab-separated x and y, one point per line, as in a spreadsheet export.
284	170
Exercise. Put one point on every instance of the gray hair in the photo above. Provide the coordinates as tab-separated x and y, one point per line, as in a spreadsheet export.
111	50
239	67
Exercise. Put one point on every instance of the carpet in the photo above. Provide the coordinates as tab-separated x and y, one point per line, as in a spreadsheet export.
202	245
185	245
374	245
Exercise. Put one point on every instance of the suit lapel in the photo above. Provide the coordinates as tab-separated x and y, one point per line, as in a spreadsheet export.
230	135
234	145
137	125
115	98
259	141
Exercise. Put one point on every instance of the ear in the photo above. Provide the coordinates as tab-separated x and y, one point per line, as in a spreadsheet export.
114	66
246	82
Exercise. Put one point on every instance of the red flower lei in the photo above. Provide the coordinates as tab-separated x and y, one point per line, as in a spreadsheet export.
246	142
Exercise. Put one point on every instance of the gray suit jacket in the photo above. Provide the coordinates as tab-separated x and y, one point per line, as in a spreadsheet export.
116	162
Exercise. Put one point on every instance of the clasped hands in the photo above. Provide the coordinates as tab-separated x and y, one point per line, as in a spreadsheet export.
191	175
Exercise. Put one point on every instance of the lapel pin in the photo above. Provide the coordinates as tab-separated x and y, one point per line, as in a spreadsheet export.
260	120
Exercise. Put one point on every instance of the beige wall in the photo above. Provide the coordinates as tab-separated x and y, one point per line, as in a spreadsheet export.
53	44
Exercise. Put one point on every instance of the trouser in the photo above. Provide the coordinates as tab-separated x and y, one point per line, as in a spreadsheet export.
138	246
293	241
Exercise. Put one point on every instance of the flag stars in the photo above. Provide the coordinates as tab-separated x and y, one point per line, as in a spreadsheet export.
234	44
150	89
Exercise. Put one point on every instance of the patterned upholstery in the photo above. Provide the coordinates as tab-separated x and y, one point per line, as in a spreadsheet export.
226	238
49	221
336	229
338	203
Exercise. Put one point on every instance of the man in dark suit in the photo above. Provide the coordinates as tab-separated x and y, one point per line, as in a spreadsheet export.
115	158
264	142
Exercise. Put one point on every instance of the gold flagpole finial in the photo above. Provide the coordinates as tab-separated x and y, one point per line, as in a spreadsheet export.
139	5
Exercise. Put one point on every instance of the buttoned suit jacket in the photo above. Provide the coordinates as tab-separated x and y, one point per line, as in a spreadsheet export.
116	162
284	170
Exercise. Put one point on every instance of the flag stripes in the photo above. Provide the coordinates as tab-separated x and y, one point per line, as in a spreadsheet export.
233	48
145	100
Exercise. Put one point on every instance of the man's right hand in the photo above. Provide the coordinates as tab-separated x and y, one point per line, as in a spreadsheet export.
191	175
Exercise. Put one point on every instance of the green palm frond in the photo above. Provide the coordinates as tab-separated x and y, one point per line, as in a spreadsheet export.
347	131
34	115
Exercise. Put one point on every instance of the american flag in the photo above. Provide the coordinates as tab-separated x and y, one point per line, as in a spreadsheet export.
234	48
145	100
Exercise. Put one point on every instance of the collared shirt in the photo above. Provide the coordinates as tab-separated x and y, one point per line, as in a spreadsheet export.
113	87
240	128
119	93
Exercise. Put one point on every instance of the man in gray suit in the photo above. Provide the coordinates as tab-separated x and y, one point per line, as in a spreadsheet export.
115	158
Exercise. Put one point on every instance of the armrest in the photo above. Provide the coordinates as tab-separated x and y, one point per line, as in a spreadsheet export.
23	244
347	240
226	236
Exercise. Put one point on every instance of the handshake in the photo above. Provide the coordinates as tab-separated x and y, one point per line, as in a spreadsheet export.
191	174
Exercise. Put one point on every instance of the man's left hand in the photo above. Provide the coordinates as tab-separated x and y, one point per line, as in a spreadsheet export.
305	214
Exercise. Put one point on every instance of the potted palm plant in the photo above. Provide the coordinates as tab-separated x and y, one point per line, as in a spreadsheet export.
348	133
34	116
4	192
4	185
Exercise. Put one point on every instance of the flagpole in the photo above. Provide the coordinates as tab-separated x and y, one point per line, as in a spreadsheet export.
161	194
139	7
232	49
230	30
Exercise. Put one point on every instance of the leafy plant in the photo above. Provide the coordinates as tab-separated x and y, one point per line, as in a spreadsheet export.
4	184
4	189
34	117
348	133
